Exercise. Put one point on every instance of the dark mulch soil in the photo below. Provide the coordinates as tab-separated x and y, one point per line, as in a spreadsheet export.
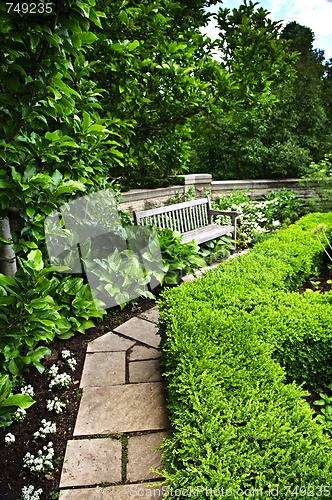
318	283
12	475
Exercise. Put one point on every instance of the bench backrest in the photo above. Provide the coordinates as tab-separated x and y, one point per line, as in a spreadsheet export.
181	217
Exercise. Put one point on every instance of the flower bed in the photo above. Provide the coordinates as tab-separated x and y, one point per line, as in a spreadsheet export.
230	341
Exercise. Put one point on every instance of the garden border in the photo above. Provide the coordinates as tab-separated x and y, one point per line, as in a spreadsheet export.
236	424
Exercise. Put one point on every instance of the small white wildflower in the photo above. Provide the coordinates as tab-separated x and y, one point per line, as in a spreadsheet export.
45	428
29	493
65	354
20	414
275	223
72	363
56	405
61	380
28	390
54	370
42	462
9	438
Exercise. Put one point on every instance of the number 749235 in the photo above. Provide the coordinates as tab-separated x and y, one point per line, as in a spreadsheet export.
30	8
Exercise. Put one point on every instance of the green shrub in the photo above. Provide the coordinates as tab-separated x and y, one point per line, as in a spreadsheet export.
36	306
257	218
299	327
235	423
318	179
230	341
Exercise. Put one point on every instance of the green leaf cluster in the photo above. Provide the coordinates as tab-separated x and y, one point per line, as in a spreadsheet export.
179	258
324	404
35	307
9	402
256	219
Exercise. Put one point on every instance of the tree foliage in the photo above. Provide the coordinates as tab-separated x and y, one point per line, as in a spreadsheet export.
273	141
156	69
252	49
52	138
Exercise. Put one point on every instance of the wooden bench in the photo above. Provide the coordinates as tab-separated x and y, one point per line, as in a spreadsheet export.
193	219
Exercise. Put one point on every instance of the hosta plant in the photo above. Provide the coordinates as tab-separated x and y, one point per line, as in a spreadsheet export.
9	402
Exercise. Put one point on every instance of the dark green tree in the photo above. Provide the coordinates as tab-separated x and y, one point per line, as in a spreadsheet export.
327	99
157	71
233	141
301	110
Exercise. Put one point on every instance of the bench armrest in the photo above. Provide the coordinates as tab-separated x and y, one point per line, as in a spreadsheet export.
231	213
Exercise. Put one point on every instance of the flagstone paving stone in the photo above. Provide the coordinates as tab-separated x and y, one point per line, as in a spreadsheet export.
91	461
142	455
122	492
110	342
151	315
140	330
141	352
104	368
122	408
145	371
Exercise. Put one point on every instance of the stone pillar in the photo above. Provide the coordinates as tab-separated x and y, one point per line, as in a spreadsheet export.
201	183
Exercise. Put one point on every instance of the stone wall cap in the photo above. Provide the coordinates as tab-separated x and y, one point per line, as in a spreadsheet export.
146	194
197	177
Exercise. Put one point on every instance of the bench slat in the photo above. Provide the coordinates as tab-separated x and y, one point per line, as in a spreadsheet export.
207	233
192	225
182	221
170	208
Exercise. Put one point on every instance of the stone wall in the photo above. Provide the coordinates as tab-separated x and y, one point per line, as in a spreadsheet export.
258	188
143	199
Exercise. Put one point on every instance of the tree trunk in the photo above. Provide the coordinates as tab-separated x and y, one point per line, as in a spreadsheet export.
7	254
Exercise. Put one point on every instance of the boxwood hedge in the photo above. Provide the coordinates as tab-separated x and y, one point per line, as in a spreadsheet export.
235	345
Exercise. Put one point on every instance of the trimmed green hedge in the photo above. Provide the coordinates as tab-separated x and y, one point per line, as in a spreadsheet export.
236	424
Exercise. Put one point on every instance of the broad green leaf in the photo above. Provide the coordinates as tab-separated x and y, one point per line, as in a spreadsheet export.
133	45
30	211
97	128
88	37
19	400
5	387
84	7
124	17
7	280
35	260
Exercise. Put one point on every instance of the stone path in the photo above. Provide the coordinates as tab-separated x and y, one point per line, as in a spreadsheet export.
121	419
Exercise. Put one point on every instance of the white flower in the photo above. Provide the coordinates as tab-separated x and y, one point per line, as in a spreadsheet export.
20	414
72	363
65	354
45	428
9	438
275	223
56	405
54	370
42	462
28	390
29	493
61	380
